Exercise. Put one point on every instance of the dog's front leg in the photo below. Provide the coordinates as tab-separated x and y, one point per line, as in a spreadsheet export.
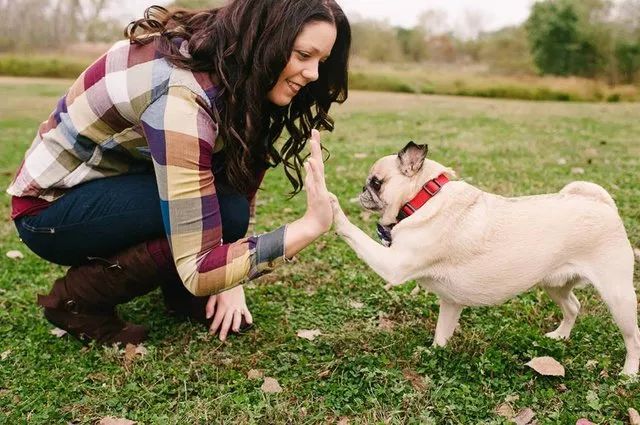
447	322
389	264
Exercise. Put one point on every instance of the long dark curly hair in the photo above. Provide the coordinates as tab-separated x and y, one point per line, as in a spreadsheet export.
245	45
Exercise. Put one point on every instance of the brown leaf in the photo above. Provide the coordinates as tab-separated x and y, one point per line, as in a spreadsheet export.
110	420
384	323
255	374
324	373
506	411
577	170
270	385
141	350
58	332
129	354
343	421
360	155
584	421
591	364
5	354
547	366
15	255
356	304
634	416
524	417
309	334
417	381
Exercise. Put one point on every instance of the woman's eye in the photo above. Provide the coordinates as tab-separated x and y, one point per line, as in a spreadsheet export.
304	55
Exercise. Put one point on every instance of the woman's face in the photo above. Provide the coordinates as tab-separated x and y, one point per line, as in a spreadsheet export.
312	46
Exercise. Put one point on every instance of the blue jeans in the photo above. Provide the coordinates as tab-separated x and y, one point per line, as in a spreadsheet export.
102	217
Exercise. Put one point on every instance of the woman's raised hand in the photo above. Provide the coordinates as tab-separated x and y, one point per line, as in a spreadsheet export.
319	214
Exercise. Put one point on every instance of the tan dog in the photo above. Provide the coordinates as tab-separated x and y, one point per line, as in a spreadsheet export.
474	248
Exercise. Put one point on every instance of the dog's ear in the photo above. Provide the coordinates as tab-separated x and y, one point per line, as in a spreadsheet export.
411	158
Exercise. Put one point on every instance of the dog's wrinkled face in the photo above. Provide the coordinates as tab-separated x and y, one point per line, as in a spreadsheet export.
390	179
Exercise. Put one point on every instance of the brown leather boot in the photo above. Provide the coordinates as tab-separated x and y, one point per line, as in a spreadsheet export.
83	301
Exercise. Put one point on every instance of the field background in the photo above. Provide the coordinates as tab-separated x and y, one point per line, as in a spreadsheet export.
356	371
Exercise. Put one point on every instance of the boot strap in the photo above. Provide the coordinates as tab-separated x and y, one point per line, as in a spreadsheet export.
70	305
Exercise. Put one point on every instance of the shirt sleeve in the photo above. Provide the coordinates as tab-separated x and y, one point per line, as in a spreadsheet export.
181	135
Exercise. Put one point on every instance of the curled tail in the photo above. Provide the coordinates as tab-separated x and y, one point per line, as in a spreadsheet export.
590	190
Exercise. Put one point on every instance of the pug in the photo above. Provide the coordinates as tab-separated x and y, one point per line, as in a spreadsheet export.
474	248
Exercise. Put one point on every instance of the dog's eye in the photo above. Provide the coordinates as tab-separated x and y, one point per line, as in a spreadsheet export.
375	184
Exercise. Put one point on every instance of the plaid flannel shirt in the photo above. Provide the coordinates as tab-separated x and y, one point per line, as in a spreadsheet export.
130	109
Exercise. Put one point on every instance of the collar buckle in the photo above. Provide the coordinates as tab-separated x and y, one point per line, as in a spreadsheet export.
436	190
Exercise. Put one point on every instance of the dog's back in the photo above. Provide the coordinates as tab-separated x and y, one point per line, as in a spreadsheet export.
590	190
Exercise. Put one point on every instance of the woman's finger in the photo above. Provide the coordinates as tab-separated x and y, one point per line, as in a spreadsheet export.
226	324
248	318
211	306
217	320
237	319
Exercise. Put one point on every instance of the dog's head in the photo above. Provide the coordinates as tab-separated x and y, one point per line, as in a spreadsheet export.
395	179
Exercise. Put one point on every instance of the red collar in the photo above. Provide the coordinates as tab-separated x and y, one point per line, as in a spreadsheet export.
427	191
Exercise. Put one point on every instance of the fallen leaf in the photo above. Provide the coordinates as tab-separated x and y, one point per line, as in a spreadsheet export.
129	354
577	170
415	291
506	411
270	385
141	350
584	421
384	323
5	354
324	373
356	304
561	161
634	416
524	417
562	388
110	420
417	381
309	334
360	155
591	364
226	361
547	366
343	421
511	398
15	255
58	332
255	374
354	200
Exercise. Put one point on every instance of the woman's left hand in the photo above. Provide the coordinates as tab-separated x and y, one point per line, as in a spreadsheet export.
229	308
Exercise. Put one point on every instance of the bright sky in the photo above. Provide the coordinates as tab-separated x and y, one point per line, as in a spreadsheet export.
464	16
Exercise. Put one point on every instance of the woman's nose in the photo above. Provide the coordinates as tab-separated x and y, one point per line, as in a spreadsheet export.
311	72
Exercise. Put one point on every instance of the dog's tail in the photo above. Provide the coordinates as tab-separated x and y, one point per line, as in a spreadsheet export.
590	190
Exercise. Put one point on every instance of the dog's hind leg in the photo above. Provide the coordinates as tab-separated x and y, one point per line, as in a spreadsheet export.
617	291
447	322
570	307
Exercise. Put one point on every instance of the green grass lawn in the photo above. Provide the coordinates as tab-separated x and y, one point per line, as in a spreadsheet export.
355	369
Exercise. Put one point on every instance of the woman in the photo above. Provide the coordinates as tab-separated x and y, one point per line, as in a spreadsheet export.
146	172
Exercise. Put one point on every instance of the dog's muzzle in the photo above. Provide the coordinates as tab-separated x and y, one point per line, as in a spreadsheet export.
368	201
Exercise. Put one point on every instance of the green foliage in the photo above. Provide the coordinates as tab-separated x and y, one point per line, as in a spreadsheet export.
627	54
505	51
24	66
558	45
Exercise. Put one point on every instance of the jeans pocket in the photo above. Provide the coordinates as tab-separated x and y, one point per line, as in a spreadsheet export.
27	224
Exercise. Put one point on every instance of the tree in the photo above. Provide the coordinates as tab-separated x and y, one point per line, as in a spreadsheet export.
559	40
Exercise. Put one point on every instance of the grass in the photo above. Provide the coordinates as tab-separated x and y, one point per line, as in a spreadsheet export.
354	370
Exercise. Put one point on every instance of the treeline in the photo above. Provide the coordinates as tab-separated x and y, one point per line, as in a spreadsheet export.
598	39
585	38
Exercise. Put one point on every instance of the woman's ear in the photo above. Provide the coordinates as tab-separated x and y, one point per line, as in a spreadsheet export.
411	158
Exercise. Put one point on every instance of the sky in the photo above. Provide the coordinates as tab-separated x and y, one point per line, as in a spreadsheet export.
466	17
